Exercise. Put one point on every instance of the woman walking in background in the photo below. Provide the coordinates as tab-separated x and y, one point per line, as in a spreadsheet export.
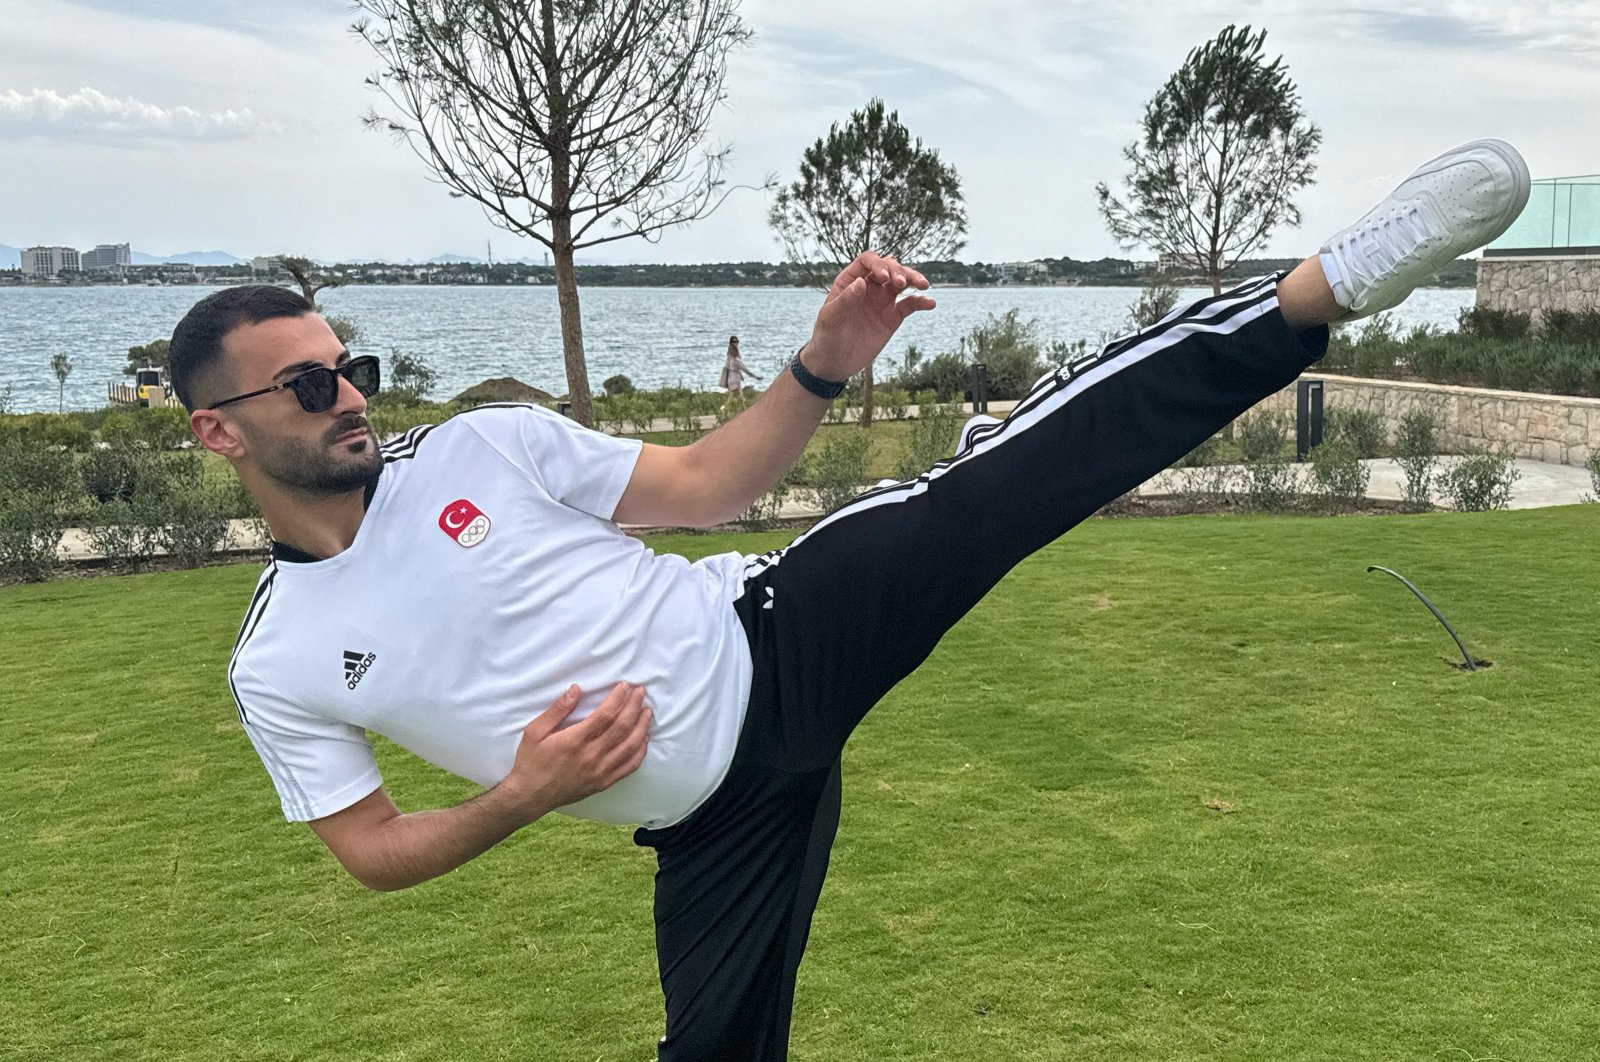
734	370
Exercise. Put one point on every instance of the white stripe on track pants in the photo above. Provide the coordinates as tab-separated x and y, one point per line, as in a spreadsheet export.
859	600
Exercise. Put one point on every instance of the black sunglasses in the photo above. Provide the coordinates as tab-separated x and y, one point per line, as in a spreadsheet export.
318	388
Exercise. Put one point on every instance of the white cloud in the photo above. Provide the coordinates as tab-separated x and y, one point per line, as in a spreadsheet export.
90	115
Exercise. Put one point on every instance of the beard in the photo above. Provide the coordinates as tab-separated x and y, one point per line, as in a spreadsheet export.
322	468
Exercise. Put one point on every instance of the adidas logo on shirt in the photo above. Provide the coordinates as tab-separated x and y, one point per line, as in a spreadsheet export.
355	666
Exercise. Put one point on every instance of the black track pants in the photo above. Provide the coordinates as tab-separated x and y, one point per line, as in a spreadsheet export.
856	603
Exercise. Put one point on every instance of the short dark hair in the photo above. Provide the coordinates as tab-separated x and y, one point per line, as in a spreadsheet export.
197	341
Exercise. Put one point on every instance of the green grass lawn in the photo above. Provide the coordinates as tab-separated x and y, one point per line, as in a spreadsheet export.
1027	869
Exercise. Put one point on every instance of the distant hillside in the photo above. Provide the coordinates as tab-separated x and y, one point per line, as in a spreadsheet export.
199	258
10	257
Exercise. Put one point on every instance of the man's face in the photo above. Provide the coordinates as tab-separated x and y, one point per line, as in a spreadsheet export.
331	452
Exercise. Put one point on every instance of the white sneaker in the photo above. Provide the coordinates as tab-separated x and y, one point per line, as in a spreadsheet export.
1449	206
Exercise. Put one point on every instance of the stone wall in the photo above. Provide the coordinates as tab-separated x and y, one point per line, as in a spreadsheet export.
1554	428
1530	285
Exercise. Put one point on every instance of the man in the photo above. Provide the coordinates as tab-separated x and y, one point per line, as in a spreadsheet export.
437	589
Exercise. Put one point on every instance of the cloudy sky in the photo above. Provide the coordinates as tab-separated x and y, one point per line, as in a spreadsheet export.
182	125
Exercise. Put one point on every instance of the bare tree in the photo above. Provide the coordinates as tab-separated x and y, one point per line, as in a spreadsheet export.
1225	144
556	115
868	185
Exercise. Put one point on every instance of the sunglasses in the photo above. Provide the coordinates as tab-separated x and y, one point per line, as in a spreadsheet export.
318	388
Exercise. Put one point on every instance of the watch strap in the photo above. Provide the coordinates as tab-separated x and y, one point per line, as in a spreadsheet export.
828	389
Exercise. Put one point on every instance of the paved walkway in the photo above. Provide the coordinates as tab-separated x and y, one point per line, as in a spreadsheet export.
1538	484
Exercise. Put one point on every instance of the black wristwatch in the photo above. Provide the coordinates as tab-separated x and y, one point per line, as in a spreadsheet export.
828	389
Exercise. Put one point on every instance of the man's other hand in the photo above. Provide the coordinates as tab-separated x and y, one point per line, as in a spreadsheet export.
862	310
557	766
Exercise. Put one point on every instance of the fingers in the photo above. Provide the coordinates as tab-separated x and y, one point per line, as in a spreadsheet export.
629	753
552	717
912	303
612	722
886	271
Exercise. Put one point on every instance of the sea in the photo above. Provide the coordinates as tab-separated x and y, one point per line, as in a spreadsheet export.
654	336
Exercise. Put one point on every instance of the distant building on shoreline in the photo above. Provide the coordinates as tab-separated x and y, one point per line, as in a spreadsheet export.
108	258
49	261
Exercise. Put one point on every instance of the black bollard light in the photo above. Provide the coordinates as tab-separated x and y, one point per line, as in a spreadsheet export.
1307	418
980	387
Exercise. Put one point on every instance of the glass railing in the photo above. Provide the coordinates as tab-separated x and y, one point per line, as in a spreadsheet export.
1562	212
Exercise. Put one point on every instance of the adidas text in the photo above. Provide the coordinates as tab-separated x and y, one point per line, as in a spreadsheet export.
355	666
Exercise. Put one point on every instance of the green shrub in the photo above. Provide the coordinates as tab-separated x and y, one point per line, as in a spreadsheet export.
1577	327
66	431
1268	483
1207	486
31	526
836	472
1485	323
932	437
946	375
1157	297
1263	434
1360	429
891	402
119	471
1480	480
764	512
396	418
1216	450
158	427
617	385
410	377
126	531
1009	349
1416	450
193	520
1338	478
37	485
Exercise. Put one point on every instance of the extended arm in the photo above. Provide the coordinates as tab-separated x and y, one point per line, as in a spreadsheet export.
716	478
385	849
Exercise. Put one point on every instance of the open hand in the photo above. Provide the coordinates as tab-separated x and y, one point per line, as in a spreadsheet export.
557	766
862	310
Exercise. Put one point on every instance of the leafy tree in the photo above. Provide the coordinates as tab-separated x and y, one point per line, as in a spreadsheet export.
556	115
156	352
410	376
61	365
1157	297
1225	144
312	278
869	185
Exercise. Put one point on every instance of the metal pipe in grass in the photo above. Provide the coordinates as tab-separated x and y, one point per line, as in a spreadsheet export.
1472	665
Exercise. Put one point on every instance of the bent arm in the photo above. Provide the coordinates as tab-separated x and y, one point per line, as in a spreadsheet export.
555	766
387	850
716	478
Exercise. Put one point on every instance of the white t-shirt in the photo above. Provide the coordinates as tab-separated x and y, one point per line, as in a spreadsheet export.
486	577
